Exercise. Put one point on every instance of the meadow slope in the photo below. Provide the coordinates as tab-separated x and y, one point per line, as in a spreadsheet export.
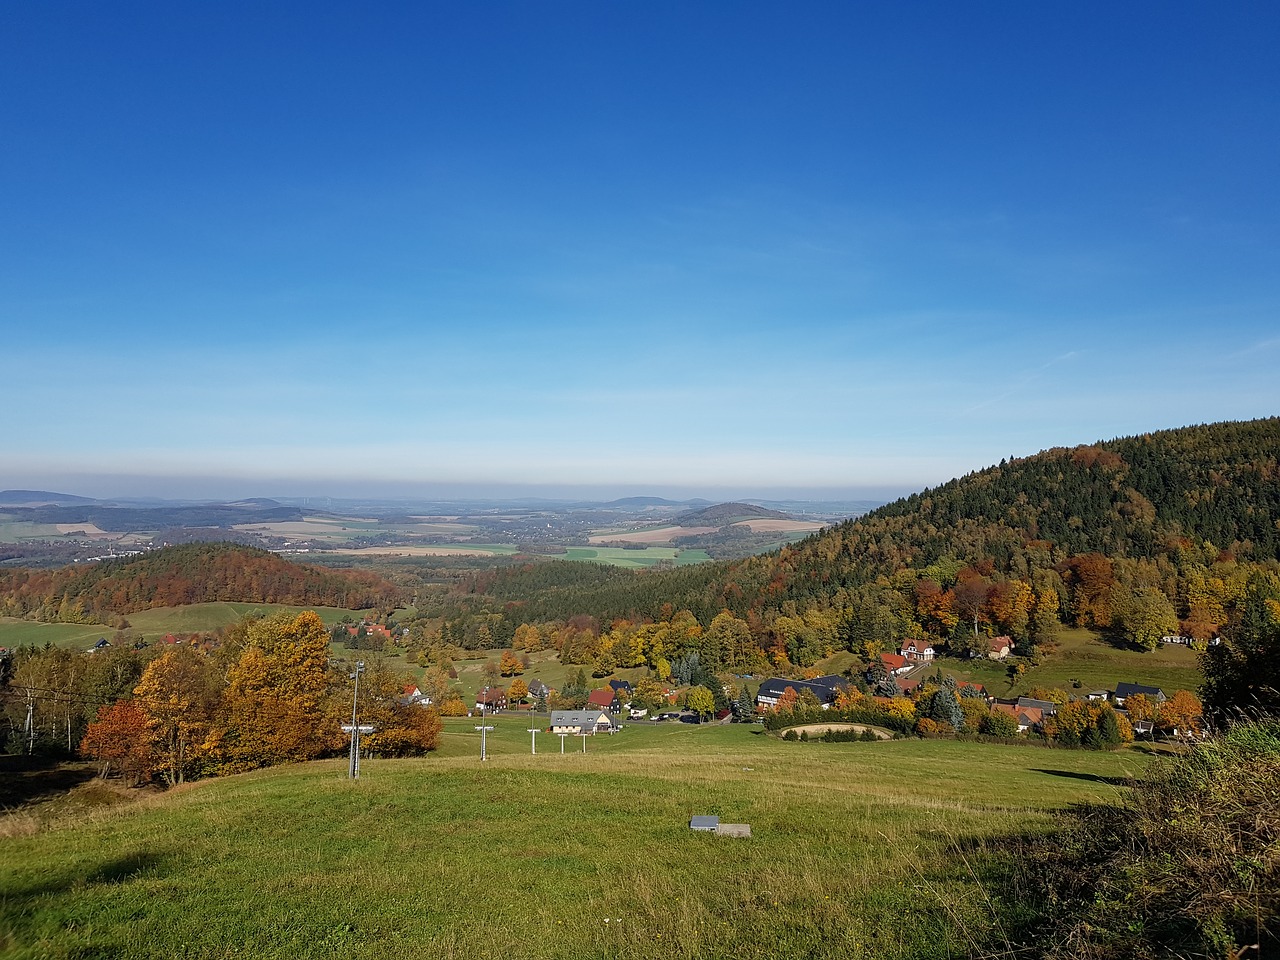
853	853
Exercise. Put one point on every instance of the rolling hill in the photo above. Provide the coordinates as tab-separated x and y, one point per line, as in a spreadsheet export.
179	575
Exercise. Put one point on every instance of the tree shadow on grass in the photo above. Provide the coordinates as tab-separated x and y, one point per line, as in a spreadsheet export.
30	912
28	779
1091	777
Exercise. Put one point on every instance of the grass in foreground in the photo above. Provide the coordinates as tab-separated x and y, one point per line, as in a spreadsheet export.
551	856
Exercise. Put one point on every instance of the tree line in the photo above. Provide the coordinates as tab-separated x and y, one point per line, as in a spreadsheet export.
266	694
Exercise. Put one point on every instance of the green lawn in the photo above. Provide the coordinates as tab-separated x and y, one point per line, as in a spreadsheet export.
856	852
1084	657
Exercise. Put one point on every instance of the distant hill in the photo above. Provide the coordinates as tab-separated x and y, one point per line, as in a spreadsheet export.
723	514
174	576
640	503
120	519
31	498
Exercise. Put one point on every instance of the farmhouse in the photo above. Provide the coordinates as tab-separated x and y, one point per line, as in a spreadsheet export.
916	651
491	698
578	722
895	663
1126	690
1027	717
602	698
1001	647
824	688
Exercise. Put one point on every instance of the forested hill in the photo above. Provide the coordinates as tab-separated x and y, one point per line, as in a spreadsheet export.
725	513
1145	536
173	576
1130	497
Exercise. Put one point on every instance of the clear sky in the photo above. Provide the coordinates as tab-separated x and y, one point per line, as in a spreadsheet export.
731	247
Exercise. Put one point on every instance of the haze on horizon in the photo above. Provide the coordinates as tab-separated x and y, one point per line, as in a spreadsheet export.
678	250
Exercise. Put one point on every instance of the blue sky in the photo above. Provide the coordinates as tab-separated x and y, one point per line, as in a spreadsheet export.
734	249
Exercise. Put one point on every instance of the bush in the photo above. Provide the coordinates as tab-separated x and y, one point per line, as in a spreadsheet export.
1189	866
790	735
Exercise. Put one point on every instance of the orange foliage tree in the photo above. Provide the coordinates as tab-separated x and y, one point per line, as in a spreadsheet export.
510	664
400	729
120	741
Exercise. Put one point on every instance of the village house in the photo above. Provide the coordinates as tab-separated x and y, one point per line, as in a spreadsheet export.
824	688
1000	648
491	699
1047	708
579	722
1028	717
916	651
602	698
1126	690
895	663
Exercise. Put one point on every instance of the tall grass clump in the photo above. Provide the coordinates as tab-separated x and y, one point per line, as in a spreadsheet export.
1187	866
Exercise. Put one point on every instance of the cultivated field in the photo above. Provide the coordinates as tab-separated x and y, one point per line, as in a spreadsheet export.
649	535
884	850
767	525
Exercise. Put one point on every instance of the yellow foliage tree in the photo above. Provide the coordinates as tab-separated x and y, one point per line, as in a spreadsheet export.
277	704
174	695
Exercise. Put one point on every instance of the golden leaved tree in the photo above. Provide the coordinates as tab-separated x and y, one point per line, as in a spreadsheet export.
400	729
176	695
278	705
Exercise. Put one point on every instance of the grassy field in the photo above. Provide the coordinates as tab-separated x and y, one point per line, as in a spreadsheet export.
1085	658
855	852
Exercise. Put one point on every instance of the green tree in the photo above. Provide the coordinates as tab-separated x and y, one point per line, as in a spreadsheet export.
701	701
1147	616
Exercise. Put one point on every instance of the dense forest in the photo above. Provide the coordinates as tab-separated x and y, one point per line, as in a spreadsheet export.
190	573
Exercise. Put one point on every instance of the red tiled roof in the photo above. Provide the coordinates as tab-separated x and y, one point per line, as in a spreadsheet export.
601	698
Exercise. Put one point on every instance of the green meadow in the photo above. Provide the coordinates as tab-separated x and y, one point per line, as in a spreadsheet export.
886	850
1083	660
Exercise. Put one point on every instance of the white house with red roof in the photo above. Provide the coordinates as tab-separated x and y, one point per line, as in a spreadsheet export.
895	663
916	651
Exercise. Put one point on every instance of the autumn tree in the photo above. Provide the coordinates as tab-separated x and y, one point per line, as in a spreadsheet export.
277	705
1180	713
1242	674
120	740
176	698
1146	616
400	729
519	691
788	701
510	664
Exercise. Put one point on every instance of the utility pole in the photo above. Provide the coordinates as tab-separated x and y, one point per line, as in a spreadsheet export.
484	755
353	770
533	740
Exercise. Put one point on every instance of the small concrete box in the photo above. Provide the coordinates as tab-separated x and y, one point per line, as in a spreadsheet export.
704	823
